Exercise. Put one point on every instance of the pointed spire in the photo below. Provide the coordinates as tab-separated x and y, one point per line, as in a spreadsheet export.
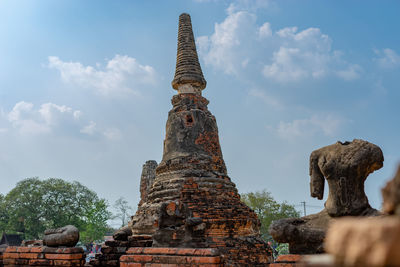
188	75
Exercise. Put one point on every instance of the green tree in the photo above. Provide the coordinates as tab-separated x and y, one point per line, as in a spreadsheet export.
35	205
268	210
123	210
3	214
95	218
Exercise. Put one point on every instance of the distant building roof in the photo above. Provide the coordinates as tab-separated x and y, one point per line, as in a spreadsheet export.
11	239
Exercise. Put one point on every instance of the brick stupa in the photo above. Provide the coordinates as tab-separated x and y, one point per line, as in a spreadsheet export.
193	211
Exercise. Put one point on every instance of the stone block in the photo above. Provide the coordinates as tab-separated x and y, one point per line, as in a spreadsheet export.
365	242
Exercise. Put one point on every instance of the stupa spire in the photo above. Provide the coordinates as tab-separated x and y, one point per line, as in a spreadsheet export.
188	75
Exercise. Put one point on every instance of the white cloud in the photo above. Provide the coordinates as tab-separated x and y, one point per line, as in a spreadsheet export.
248	5
89	129
223	48
26	120
286	55
52	118
112	134
388	58
327	125
265	30
352	72
267	99
52	113
49	117
121	75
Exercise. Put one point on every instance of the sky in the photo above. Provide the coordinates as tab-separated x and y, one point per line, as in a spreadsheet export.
85	88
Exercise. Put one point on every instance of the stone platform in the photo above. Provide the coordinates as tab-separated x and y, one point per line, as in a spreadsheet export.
171	257
43	256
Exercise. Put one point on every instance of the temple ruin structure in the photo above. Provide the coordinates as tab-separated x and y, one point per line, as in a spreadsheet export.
345	166
190	211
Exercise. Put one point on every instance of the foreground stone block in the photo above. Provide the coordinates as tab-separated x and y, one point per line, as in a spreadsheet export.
365	242
43	256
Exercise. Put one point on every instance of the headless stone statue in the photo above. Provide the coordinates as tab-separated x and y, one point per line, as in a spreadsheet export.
66	236
345	166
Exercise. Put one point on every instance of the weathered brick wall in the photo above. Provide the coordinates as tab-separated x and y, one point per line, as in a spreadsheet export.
43	256
112	251
193	203
171	257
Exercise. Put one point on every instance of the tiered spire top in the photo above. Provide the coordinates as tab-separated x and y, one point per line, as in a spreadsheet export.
188	75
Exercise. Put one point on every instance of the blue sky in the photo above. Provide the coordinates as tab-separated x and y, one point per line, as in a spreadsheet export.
85	88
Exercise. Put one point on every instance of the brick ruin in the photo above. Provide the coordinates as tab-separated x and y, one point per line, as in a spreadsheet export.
190	211
112	251
43	256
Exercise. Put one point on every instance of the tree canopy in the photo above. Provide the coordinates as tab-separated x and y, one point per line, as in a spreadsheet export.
123	210
268	210
35	205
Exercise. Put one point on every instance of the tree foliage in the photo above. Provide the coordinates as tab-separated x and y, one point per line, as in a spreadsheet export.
268	210
123	210
35	205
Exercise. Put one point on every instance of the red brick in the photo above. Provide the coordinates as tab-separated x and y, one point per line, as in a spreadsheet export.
283	265
40	262
186	251
65	256
204	259
289	257
11	249
130	264
69	262
136	250
142	258
8	255
30	255
15	261
206	252
165	251
36	249
23	249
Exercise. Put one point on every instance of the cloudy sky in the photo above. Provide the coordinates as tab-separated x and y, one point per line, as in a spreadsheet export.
85	88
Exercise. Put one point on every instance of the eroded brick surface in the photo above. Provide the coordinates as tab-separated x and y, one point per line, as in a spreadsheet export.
172	257
192	202
43	256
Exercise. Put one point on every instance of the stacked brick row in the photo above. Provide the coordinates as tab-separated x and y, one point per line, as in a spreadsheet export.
43	256
2	249
112	251
156	257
